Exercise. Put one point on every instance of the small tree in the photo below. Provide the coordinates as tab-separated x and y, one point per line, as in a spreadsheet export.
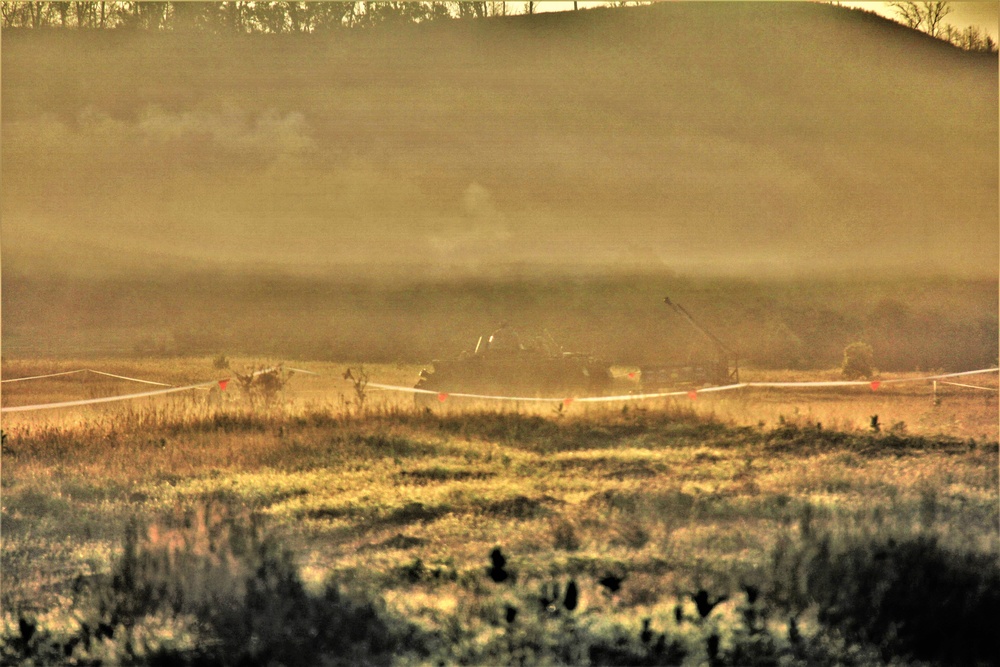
264	385
359	378
858	361
926	16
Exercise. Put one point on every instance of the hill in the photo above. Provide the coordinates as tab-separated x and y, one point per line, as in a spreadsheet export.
736	138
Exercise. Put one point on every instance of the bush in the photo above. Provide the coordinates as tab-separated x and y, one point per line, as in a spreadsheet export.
910	598
210	588
263	386
858	361
227	594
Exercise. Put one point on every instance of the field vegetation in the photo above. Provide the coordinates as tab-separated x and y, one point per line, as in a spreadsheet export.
318	529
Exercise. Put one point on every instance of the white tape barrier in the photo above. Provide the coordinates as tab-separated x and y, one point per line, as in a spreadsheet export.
692	393
109	399
131	379
968	386
872	383
50	375
443	396
124	397
122	377
87	370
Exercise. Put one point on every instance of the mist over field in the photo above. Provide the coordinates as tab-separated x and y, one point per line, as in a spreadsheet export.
189	192
733	137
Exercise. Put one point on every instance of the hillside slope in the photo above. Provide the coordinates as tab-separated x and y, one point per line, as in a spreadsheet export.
734	137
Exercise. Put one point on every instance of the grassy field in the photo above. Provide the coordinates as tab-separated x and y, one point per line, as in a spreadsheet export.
142	531
911	407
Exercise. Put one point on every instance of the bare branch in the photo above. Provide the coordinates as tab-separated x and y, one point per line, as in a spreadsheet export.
910	13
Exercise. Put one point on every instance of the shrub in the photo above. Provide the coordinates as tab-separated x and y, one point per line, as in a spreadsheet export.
263	386
910	598
858	361
230	590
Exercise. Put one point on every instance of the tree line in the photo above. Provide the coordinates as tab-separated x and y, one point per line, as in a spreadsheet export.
248	16
238	17
929	17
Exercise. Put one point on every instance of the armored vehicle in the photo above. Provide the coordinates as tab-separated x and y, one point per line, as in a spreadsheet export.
502	365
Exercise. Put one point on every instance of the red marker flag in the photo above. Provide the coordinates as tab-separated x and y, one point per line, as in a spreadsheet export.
631	376
223	383
442	397
693	394
567	401
875	385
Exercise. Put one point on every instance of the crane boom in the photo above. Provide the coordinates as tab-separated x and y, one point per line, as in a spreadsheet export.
702	330
728	365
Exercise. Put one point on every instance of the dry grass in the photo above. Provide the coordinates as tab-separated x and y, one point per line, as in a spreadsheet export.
655	489
911	407
408	503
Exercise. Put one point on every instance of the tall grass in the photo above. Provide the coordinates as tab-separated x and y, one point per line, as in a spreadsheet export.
382	520
214	588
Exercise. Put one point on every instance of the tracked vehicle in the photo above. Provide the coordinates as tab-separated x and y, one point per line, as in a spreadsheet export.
503	365
720	367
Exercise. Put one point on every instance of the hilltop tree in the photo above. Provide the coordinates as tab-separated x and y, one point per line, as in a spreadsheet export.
934	13
470	9
929	17
26	14
974	39
926	16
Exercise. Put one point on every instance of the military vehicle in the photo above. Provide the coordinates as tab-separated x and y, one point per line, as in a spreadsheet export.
719	367
503	365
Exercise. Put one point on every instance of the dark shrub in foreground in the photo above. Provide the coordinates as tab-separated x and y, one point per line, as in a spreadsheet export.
226	595
911	598
208	589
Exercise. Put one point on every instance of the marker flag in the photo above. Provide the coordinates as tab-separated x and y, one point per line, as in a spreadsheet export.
223	383
567	401
442	397
875	385
631	376
693	394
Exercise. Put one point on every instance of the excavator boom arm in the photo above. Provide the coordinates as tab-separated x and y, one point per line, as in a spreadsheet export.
702	330
726	355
